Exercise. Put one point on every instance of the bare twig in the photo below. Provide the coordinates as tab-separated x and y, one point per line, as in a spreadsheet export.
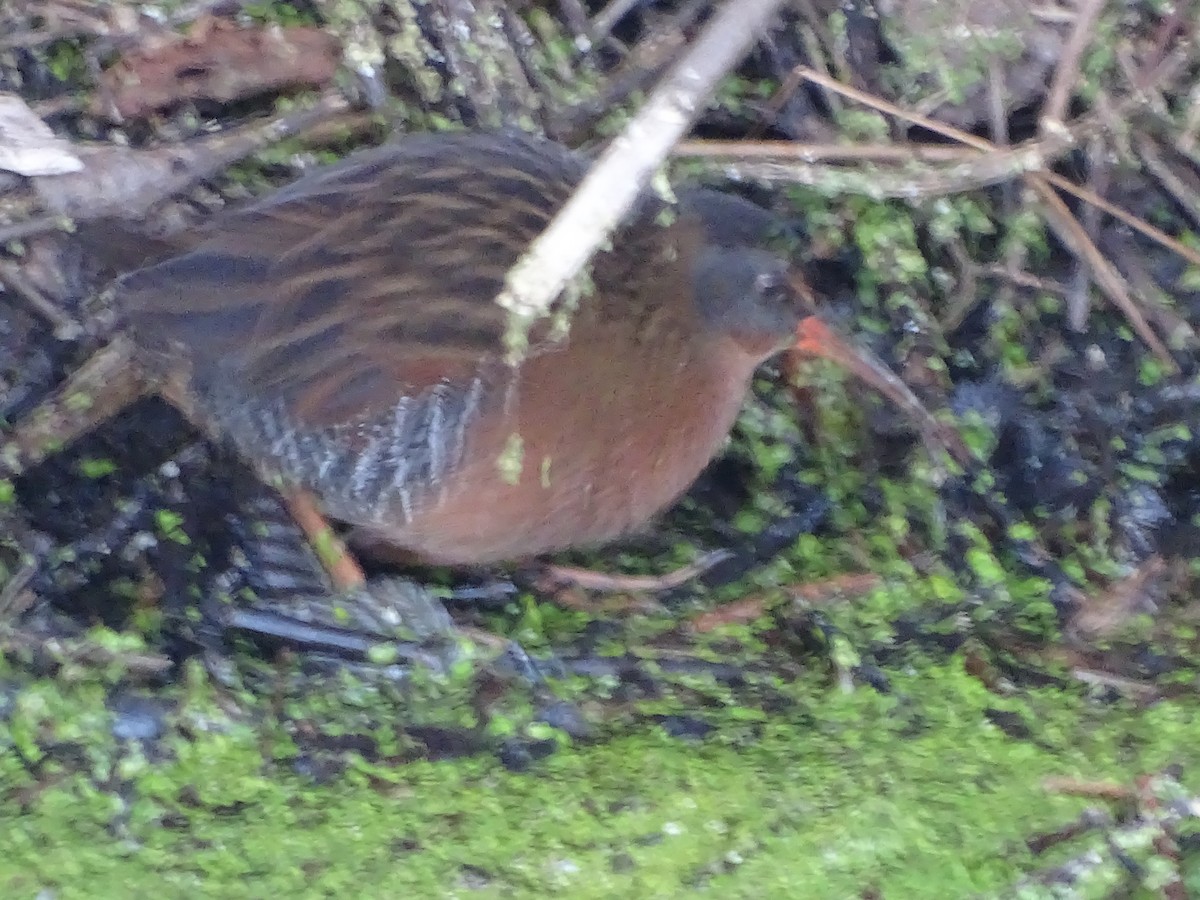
82	651
1070	232
915	178
483	62
626	166
813	153
607	18
1187	196
807	164
1137	224
640	68
1130	687
65	327
1029	157
15	596
101	388
125	183
1055	105
997	115
33	226
558	576
1057	212
575	15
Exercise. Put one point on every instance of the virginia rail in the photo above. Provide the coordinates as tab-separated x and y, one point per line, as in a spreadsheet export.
342	332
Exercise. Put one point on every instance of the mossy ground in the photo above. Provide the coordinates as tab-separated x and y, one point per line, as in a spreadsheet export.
801	788
907	792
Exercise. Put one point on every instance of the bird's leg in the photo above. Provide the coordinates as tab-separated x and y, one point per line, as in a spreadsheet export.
111	381
338	562
344	573
358	608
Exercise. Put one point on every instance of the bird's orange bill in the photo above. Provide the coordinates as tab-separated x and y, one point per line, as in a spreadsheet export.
815	338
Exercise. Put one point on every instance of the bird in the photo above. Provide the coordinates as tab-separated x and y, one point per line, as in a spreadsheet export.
342	333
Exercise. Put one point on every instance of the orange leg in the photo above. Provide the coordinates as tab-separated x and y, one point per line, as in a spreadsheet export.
109	382
343	569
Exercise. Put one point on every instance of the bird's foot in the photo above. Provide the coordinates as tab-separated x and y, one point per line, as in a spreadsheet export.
387	621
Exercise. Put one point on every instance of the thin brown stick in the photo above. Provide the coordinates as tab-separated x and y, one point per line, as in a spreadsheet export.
1058	214
560	576
1130	687
1035	153
103	386
1070	232
1137	224
997	114
575	15
1067	70
972	170
36	225
641	66
15	597
787	150
909	182
1185	195
1075	787
605	20
84	651
123	182
65	327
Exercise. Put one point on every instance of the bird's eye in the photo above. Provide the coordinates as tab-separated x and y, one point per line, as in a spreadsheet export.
772	286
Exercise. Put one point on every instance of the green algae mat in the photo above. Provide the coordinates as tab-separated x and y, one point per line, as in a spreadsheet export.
936	788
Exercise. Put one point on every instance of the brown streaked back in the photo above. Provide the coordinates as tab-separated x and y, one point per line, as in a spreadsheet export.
367	280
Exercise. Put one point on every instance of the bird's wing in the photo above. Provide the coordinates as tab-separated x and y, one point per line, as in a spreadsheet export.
360	283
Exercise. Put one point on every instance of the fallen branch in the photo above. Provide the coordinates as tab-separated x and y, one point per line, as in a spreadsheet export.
560	252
